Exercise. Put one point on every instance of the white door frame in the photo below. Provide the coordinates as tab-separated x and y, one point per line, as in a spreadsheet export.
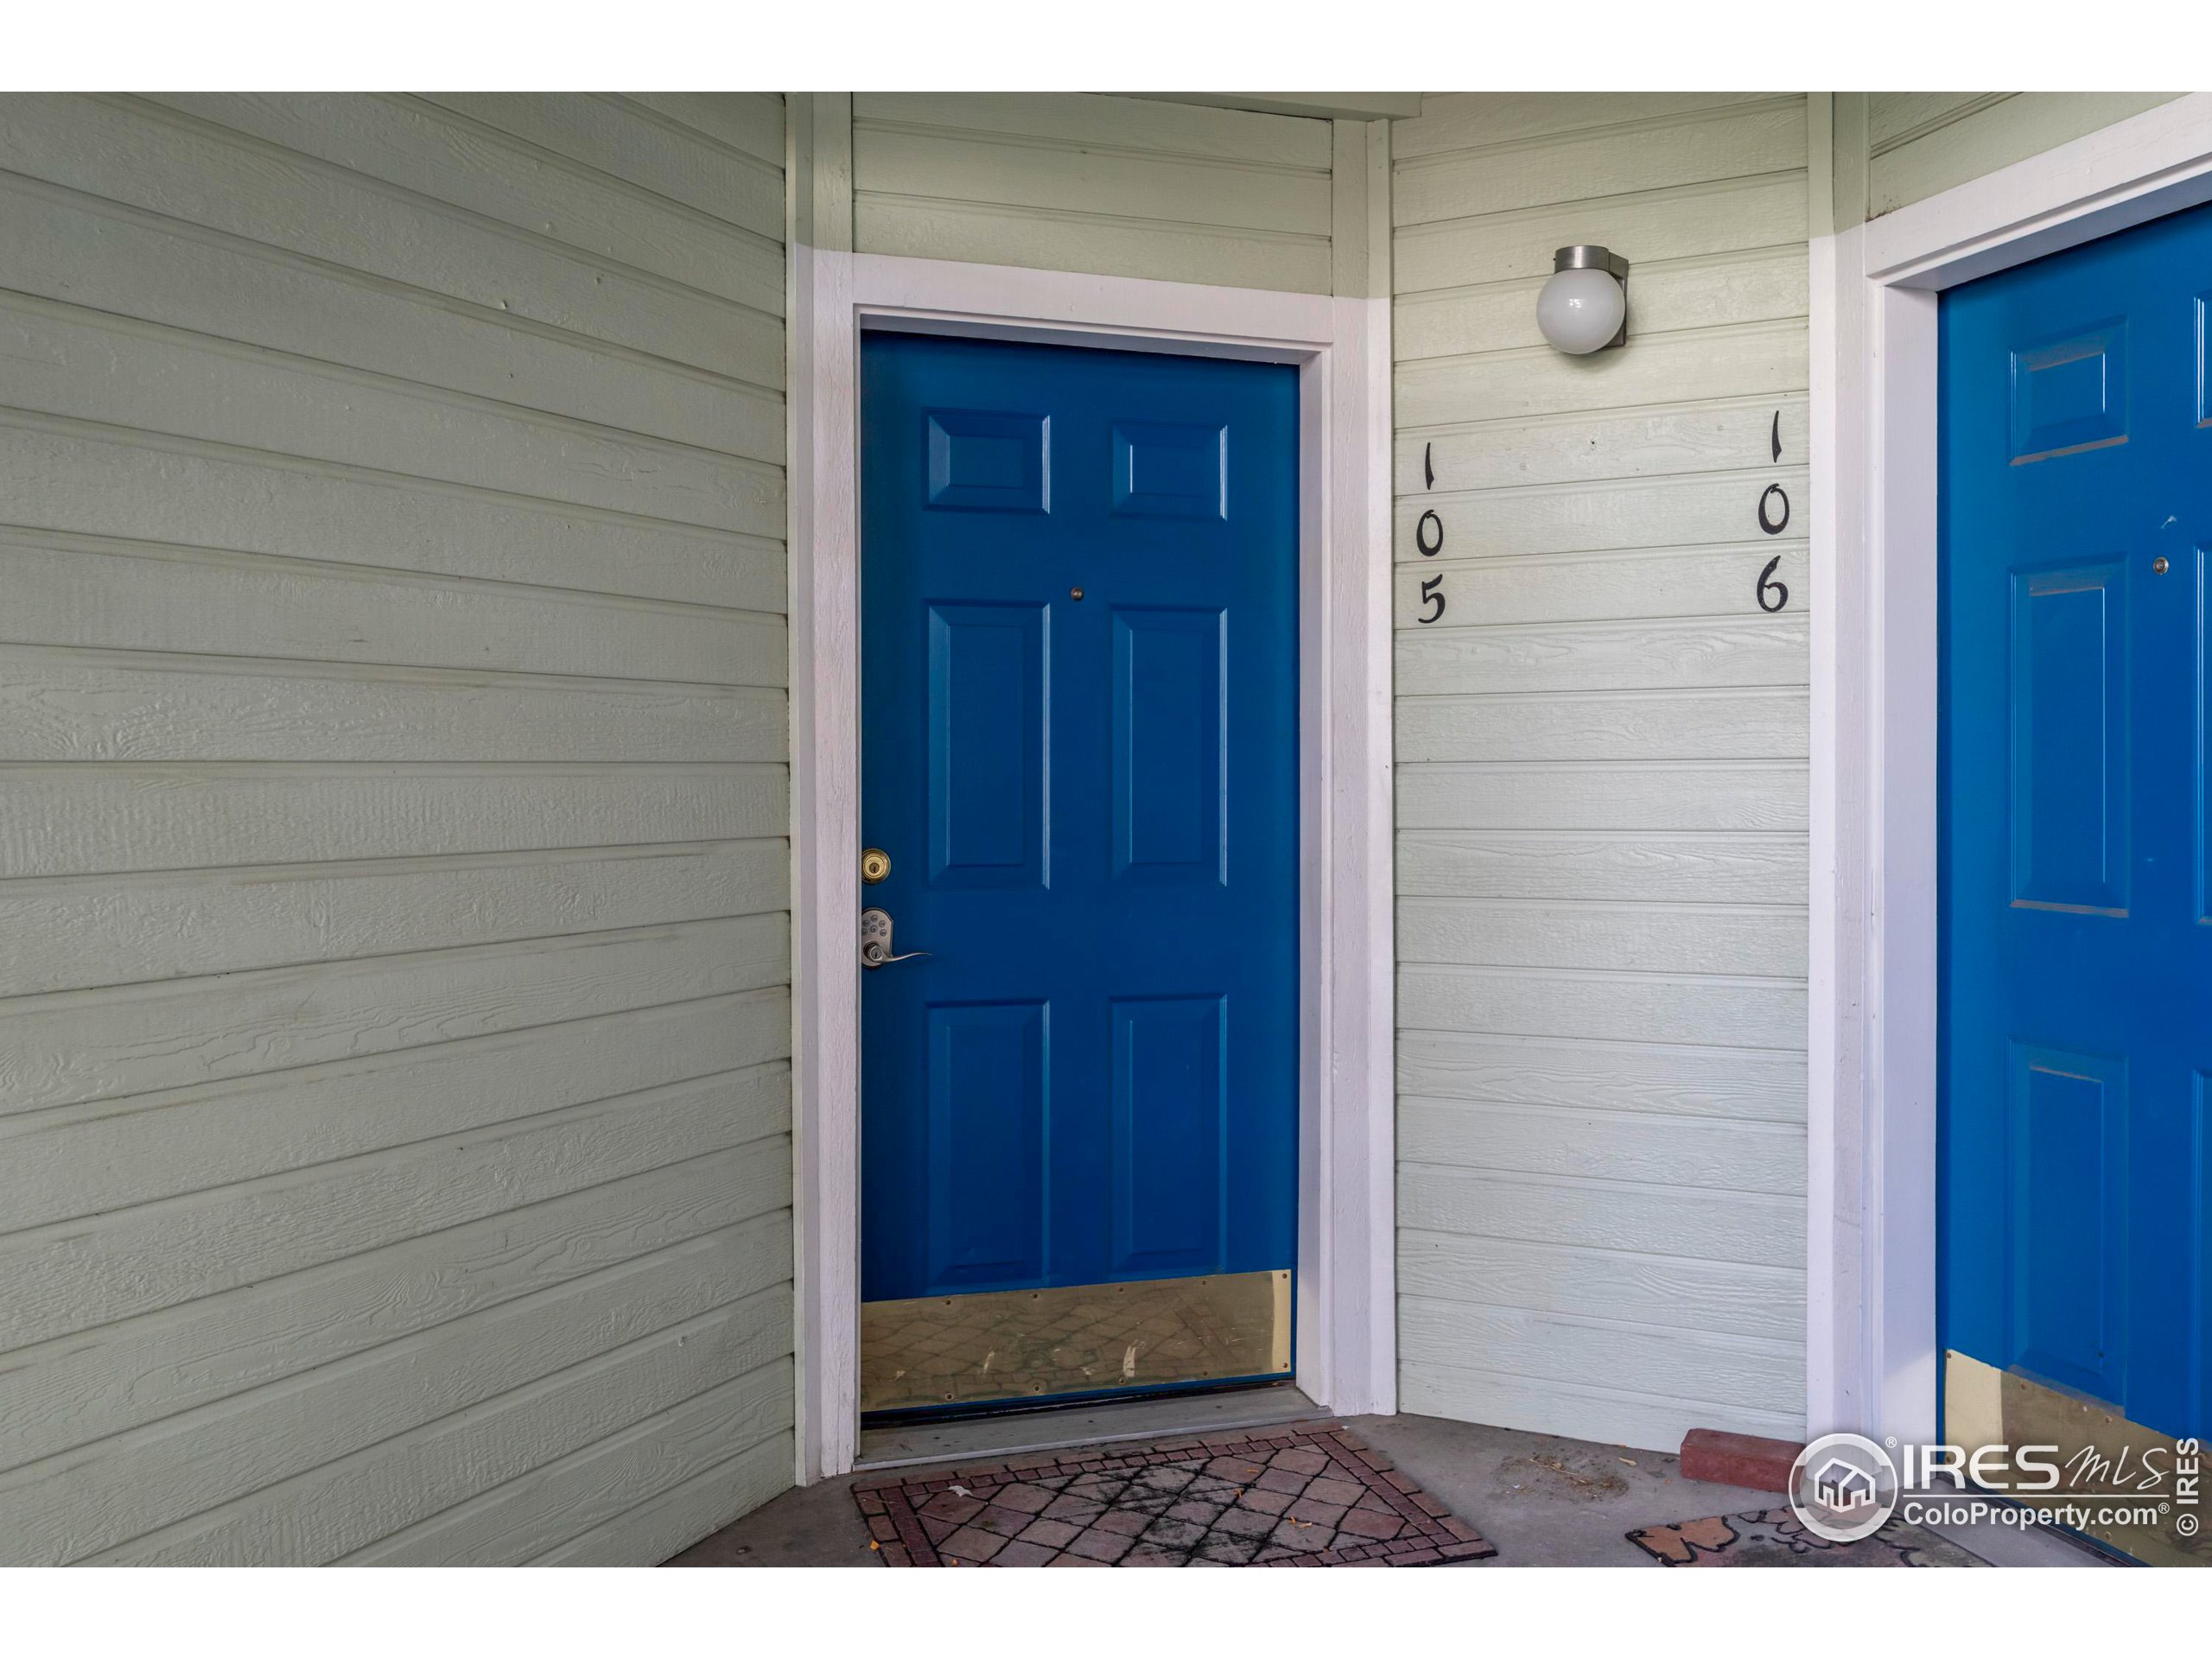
1345	1304
1871	1361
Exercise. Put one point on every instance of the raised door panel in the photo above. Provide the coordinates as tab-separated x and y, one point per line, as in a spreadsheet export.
987	460
1171	701
985	1112
1170	470
2070	394
2070	771
2200	826
1170	1112
987	766
2066	1157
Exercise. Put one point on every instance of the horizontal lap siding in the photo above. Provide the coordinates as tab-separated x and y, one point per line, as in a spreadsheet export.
1914	145
1084	181
395	1011
1601	771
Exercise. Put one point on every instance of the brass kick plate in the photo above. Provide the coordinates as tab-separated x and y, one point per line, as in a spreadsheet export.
1020	1344
1984	1407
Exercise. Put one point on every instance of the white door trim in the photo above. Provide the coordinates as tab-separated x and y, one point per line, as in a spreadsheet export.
1346	1308
1871	1361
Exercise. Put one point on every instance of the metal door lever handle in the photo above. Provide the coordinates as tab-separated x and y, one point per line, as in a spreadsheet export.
869	959
875	941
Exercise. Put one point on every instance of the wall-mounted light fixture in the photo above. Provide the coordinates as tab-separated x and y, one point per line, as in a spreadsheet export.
1584	306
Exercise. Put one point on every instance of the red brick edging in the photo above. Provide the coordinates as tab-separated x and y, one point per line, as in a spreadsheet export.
1747	1460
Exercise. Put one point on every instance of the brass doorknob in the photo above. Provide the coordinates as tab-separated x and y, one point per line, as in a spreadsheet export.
875	864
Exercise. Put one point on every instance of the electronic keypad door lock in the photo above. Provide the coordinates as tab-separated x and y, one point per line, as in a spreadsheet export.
876	940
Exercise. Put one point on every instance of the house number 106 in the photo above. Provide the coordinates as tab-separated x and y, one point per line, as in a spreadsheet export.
1774	518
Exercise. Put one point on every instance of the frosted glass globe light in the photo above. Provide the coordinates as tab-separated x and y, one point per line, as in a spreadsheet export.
1580	310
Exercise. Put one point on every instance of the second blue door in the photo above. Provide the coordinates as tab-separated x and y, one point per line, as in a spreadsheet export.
1079	763
2076	942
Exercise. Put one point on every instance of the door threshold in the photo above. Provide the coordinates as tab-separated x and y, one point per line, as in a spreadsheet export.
895	1445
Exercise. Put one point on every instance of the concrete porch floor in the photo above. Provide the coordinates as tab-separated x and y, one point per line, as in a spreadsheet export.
1543	1500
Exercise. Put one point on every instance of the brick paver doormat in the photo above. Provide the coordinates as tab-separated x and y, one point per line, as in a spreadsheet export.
1777	1538
1302	1495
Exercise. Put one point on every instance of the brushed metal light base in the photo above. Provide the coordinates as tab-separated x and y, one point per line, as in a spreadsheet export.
1026	1344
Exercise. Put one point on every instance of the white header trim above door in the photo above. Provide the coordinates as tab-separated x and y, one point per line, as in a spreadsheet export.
1871	1363
1346	1304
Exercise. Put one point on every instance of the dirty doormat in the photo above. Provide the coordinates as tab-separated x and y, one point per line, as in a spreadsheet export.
1304	1496
1777	1538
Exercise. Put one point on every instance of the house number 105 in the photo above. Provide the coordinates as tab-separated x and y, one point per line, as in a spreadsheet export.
1428	541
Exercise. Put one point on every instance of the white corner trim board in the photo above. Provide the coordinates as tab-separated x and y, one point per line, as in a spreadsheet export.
1871	1358
1346	1344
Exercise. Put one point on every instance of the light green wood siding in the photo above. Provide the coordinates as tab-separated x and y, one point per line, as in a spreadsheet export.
1087	181
1894	149
1602	773
394	975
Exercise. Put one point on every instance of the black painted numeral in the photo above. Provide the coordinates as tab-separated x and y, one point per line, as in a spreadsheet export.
1767	584
1774	526
1431	593
1429	524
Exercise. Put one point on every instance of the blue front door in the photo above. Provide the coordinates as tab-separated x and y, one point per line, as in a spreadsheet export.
2076	966
1079	757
